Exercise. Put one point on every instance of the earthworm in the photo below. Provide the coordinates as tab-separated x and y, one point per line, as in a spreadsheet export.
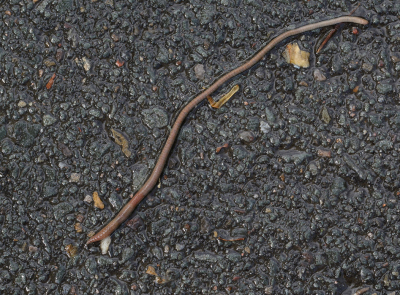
158	168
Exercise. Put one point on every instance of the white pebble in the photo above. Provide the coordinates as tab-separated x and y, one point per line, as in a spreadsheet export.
22	104
88	199
265	127
199	71
104	244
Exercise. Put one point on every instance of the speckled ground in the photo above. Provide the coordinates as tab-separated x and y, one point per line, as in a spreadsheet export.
304	200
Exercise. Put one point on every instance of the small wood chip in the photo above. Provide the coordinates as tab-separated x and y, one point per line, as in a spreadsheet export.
80	217
97	201
282	177
151	271
295	56
51	81
91	234
121	140
324	153
71	250
119	63
78	227
218	149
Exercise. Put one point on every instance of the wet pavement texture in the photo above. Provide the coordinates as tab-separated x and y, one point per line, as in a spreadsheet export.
304	199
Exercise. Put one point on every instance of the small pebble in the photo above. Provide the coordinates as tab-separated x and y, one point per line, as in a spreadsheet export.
105	244
199	71
22	104
265	127
75	177
88	199
318	75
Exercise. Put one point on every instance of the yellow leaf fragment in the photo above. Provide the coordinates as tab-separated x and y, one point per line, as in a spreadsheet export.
71	250
122	141
78	227
97	201
151	271
160	280
295	56
91	233
224	99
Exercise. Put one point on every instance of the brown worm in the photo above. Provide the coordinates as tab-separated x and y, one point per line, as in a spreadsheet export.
158	168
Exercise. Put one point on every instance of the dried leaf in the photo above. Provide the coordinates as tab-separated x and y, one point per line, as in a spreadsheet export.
295	56
80	217
78	227
51	81
151	271
282	177
122	141
160	280
97	201
71	250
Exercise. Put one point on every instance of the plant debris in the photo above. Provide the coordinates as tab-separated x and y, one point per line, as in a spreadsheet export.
71	250
324	153
223	99
51	81
151	271
334	30
223	235
295	56
218	149
97	201
122	141
78	227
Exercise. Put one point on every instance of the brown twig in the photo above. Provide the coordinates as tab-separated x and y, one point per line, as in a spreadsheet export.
361	291
231	239
334	30
51	81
